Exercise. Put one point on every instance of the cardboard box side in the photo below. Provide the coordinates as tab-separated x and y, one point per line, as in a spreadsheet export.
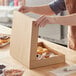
21	38
48	61
34	41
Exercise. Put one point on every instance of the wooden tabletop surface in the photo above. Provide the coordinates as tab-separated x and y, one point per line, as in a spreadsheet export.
6	59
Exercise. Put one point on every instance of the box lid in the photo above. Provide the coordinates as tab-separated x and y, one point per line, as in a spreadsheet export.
24	38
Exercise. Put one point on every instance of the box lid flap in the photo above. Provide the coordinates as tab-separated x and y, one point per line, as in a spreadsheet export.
24	38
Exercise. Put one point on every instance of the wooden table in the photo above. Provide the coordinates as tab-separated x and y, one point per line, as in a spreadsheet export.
6	59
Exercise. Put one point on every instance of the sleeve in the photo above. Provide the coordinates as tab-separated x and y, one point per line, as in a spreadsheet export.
57	6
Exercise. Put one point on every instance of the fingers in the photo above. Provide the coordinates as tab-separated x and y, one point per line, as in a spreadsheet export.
23	9
42	21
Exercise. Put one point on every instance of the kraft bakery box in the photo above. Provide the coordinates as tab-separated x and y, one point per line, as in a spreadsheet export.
26	48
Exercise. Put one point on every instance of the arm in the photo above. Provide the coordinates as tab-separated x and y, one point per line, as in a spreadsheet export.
54	7
66	20
63	20
43	10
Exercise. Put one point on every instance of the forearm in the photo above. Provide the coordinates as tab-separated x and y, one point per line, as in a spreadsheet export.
66	20
42	10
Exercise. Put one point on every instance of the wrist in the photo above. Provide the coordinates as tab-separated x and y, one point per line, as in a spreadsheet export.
53	20
57	20
30	9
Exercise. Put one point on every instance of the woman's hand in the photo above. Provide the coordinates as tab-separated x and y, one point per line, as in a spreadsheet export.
24	9
42	21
